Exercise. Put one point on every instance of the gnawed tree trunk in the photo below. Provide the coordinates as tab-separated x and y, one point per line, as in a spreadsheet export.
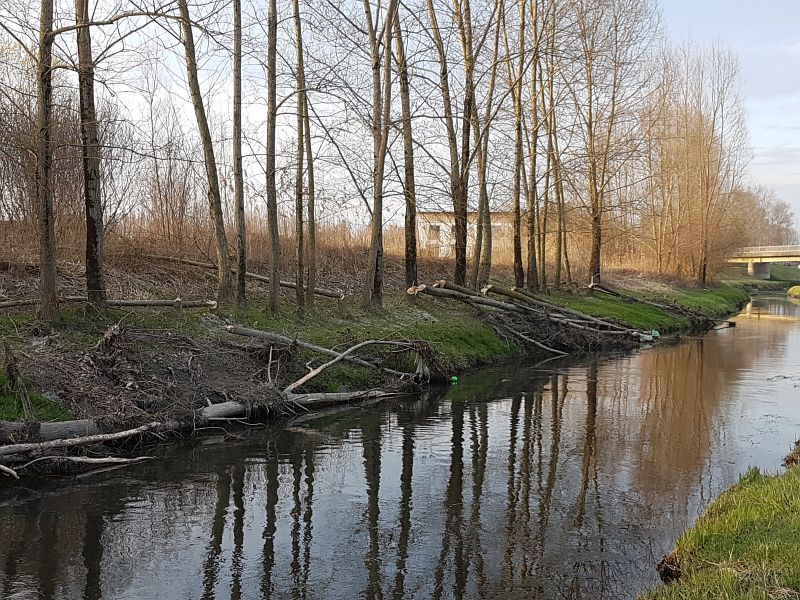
90	160
48	308
224	273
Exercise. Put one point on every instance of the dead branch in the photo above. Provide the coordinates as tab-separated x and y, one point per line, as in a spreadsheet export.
79	441
280	339
9	471
342	356
105	460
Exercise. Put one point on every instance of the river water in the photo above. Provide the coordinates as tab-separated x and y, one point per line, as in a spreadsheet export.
563	480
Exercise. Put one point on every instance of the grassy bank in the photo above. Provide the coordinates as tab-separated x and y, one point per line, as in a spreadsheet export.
161	341
745	547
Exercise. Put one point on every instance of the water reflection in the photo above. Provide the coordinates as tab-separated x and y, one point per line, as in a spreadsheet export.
518	483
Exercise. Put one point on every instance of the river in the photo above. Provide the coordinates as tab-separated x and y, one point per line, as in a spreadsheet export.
562	480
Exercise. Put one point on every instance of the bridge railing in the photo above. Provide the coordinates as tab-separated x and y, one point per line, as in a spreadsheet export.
766	251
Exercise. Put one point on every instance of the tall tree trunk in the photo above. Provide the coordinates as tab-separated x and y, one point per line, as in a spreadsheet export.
482	153
463	17
301	149
90	160
48	309
238	172
272	190
224	274
458	191
381	103
515	81
409	185
311	253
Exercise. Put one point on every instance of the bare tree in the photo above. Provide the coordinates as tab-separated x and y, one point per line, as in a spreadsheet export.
224	273
44	166
409	185
381	102
272	120
301	151
90	158
238	171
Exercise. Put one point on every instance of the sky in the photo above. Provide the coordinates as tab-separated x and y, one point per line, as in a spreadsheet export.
766	36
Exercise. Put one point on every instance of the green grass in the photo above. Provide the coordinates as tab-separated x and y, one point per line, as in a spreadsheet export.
461	339
745	547
714	302
784	273
641	316
781	278
43	409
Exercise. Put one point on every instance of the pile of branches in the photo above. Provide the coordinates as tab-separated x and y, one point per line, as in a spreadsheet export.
535	322
27	443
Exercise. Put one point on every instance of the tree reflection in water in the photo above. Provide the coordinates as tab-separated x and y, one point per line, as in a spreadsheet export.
522	482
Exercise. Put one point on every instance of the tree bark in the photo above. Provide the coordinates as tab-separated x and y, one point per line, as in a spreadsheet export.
90	159
48	309
272	119
409	185
301	151
224	273
238	171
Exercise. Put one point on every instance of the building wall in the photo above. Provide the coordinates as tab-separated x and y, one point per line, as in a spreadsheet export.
436	232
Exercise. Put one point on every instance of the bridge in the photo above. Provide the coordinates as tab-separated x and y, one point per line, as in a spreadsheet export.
759	258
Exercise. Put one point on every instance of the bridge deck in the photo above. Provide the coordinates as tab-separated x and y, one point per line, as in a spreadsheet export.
762	252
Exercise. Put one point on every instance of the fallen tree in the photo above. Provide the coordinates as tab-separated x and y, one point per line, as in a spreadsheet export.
282	339
336	294
177	303
84	432
534	323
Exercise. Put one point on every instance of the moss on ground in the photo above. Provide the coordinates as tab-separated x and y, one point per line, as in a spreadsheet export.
745	547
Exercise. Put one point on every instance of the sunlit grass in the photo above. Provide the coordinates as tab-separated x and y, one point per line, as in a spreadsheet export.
745	547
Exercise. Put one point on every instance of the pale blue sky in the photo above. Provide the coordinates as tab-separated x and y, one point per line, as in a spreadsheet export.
766	36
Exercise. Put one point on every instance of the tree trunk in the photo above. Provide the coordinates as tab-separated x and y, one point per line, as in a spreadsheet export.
409	186
311	252
48	309
225	276
272	191
238	174
381	103
457	184
90	160
301	149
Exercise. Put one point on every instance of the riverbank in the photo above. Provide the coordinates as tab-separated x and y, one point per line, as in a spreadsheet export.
130	367
745	547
